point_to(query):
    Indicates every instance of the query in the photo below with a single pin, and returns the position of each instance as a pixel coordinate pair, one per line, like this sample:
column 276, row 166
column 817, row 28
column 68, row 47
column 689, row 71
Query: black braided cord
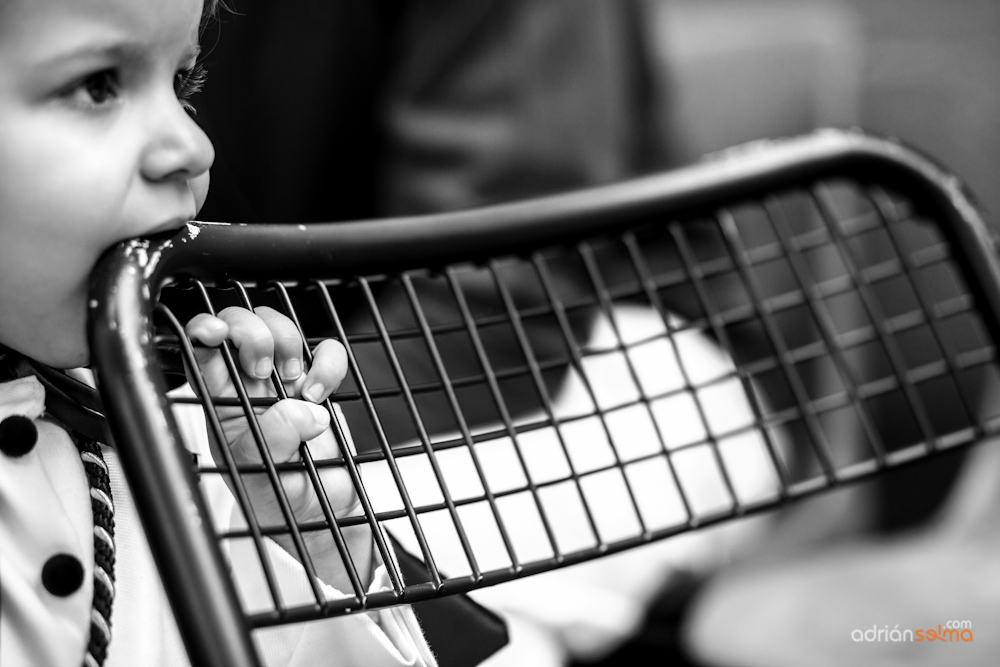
column 104, row 550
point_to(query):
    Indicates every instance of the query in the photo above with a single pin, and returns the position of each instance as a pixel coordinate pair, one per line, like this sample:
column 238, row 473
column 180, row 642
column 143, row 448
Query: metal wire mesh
column 522, row 411
column 536, row 411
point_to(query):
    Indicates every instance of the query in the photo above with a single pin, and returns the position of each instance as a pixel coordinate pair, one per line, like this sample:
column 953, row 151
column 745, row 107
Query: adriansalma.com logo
column 952, row 631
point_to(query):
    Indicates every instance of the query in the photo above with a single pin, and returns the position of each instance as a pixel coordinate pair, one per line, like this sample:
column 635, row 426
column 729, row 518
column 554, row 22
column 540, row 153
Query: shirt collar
column 24, row 396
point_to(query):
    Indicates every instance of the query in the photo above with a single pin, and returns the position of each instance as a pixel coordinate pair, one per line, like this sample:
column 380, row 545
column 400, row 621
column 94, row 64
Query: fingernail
column 321, row 416
column 263, row 369
column 315, row 393
column 292, row 369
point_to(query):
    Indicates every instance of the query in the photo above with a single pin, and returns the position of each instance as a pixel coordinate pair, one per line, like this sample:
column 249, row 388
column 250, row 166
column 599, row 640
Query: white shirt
column 45, row 510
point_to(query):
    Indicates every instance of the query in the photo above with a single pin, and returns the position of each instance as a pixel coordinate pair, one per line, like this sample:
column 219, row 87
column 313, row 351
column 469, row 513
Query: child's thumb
column 284, row 426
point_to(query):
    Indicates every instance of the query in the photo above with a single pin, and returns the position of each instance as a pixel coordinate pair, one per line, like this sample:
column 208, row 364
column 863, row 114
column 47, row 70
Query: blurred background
column 925, row 71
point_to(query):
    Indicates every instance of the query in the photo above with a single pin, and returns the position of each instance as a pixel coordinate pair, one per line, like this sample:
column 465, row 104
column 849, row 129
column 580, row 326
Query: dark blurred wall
column 351, row 109
column 290, row 108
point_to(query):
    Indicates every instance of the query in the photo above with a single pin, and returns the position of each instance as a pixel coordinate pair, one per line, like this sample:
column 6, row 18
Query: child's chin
column 62, row 356
column 69, row 348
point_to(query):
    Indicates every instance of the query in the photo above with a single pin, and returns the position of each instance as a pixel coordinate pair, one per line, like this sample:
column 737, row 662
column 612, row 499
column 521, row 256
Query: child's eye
column 189, row 81
column 97, row 89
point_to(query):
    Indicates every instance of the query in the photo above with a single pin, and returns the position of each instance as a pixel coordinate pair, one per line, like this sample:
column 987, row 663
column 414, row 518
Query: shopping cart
column 542, row 383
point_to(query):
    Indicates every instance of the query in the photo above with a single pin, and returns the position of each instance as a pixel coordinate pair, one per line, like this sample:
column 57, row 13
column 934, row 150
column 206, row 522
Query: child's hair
column 209, row 11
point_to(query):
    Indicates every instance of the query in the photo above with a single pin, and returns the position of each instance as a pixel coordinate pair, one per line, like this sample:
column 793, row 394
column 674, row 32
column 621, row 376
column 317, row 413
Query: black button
column 62, row 575
column 18, row 436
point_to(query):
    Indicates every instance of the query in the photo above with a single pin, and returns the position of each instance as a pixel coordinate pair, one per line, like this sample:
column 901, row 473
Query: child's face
column 96, row 146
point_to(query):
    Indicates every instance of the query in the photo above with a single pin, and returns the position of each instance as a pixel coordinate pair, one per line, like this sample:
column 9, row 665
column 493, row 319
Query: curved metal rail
column 366, row 260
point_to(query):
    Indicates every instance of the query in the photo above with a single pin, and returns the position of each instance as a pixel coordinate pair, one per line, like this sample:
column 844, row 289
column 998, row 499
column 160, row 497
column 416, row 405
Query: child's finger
column 252, row 337
column 288, row 344
column 211, row 332
column 284, row 426
column 329, row 366
column 208, row 330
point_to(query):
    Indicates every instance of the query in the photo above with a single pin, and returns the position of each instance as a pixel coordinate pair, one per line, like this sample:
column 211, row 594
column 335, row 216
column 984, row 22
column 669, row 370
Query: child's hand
column 267, row 340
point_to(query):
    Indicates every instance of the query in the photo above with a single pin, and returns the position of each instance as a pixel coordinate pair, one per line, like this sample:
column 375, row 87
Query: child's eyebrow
column 118, row 52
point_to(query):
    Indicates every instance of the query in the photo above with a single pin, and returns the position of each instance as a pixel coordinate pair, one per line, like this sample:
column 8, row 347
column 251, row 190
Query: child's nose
column 178, row 149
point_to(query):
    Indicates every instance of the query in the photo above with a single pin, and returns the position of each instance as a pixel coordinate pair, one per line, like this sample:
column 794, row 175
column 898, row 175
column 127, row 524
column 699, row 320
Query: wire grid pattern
column 519, row 415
